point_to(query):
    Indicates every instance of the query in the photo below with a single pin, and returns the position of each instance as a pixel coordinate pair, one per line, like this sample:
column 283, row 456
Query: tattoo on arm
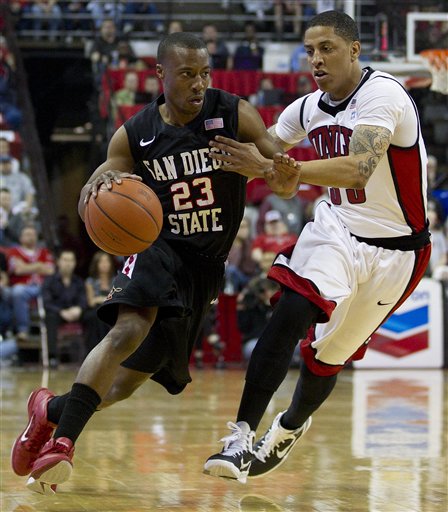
column 371, row 142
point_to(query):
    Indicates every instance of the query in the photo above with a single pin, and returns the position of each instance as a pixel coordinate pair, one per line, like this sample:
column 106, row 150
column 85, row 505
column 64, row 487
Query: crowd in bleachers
column 124, row 84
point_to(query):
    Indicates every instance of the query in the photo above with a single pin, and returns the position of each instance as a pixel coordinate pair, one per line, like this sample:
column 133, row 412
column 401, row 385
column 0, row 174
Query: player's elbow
column 360, row 172
column 358, row 182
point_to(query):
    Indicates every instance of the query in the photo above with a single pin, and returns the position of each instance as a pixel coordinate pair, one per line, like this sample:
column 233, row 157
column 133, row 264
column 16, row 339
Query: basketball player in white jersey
column 360, row 258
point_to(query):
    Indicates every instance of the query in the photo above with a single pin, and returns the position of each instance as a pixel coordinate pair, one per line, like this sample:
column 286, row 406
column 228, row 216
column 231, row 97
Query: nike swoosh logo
column 245, row 465
column 380, row 303
column 147, row 142
column 282, row 453
column 24, row 437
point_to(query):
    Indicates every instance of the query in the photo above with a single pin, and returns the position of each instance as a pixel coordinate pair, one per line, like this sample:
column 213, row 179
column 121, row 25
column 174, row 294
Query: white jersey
column 393, row 203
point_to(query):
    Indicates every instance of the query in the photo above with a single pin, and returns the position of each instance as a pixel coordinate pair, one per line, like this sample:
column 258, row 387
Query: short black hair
column 181, row 40
column 344, row 26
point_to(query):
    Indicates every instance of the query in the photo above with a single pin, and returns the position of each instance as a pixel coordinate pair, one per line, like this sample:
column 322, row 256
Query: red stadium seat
column 15, row 142
column 125, row 112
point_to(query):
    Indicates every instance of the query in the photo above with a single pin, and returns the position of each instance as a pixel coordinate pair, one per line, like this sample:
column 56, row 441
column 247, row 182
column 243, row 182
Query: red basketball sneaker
column 38, row 431
column 53, row 466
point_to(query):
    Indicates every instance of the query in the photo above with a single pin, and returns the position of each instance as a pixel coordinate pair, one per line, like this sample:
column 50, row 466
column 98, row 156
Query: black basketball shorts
column 182, row 286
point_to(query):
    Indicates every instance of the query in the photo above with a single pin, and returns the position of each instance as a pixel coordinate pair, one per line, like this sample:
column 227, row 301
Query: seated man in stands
column 28, row 265
column 219, row 53
column 10, row 113
column 64, row 298
column 11, row 224
column 18, row 183
column 267, row 95
column 249, row 54
column 151, row 90
column 104, row 50
column 304, row 85
column 5, row 150
column 274, row 238
column 127, row 94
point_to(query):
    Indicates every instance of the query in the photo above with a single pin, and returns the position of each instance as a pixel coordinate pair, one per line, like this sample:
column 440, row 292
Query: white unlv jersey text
column 393, row 204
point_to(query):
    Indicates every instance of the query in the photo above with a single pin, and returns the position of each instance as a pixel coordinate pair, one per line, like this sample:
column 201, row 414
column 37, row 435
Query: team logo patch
column 114, row 290
column 403, row 333
column 214, row 124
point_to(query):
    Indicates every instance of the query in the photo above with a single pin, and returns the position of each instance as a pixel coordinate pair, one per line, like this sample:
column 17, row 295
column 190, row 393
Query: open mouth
column 197, row 100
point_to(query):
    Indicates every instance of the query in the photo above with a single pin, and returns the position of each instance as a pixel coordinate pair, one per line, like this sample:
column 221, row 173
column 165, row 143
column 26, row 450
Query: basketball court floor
column 379, row 444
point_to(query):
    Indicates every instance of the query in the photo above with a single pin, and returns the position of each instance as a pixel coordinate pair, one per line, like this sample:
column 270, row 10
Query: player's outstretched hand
column 284, row 176
column 241, row 157
column 106, row 178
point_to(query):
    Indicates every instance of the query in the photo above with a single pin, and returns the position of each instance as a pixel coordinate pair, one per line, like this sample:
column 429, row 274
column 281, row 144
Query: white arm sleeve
column 385, row 103
column 289, row 127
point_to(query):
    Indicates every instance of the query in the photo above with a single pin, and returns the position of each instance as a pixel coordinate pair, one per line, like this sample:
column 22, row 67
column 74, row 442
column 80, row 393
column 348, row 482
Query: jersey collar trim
column 333, row 110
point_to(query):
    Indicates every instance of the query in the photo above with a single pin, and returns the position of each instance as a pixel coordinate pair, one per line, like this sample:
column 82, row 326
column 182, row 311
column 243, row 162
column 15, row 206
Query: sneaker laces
column 238, row 441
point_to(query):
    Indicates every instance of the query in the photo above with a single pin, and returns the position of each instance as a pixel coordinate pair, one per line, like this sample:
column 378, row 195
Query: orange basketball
column 124, row 220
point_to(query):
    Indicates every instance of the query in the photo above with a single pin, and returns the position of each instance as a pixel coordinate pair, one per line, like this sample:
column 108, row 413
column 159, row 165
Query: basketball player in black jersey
column 158, row 301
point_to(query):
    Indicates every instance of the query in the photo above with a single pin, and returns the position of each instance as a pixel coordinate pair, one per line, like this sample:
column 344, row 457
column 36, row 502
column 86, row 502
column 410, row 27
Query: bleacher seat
column 125, row 112
column 15, row 142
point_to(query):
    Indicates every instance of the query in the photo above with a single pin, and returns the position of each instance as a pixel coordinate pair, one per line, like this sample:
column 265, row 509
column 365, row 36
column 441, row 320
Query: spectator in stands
column 291, row 210
column 249, row 53
column 259, row 8
column 291, row 8
column 105, row 49
column 11, row 224
column 435, row 176
column 46, row 12
column 175, row 26
column 10, row 112
column 18, row 183
column 28, row 265
column 267, row 94
column 253, row 311
column 5, row 298
column 127, row 94
column 73, row 12
column 439, row 252
column 298, row 60
column 6, row 57
column 151, row 90
column 102, row 11
column 127, row 57
column 304, row 86
column 98, row 285
column 240, row 267
column 138, row 11
column 274, row 238
column 5, row 150
column 64, row 298
column 217, row 48
column 18, row 10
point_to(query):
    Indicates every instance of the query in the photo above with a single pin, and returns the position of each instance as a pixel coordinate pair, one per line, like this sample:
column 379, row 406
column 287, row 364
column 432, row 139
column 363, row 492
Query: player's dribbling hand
column 284, row 176
column 106, row 178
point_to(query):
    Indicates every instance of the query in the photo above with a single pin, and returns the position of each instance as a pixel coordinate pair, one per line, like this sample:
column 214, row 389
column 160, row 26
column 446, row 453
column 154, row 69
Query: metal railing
column 65, row 26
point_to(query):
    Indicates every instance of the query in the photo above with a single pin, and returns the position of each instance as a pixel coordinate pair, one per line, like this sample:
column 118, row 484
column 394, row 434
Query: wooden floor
column 379, row 444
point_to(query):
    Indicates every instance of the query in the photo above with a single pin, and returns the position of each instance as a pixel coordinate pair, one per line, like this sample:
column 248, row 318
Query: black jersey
column 202, row 205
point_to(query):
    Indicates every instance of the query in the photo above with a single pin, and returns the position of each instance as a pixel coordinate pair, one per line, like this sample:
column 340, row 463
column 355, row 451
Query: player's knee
column 295, row 309
column 121, row 389
column 128, row 333
column 117, row 393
